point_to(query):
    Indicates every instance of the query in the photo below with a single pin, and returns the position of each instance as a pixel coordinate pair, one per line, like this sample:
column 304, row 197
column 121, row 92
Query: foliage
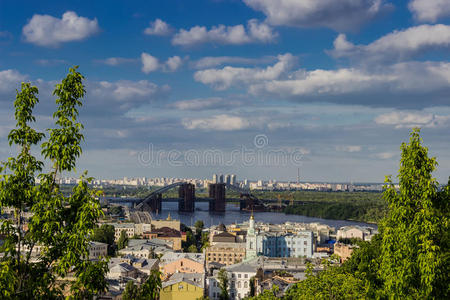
column 223, row 284
column 266, row 294
column 415, row 233
column 105, row 234
column 199, row 225
column 60, row 225
column 204, row 241
column 149, row 290
column 192, row 249
column 131, row 291
column 116, row 210
column 252, row 286
column 331, row 283
column 122, row 242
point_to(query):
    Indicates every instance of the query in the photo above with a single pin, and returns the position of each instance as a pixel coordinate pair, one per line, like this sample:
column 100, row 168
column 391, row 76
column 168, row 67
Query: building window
column 246, row 276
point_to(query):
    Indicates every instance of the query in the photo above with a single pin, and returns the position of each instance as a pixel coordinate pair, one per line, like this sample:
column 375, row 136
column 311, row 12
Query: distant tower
column 221, row 178
column 227, row 179
column 250, row 247
column 214, row 178
column 298, row 175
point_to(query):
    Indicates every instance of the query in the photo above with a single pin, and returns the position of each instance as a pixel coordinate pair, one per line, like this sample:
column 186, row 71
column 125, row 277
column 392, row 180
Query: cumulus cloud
column 221, row 79
column 402, row 84
column 152, row 64
column 51, row 62
column 10, row 80
column 408, row 119
column 214, row 61
column 221, row 122
column 205, row 103
column 398, row 45
column 149, row 63
column 337, row 15
column 173, row 63
column 255, row 32
column 158, row 27
column 115, row 61
column 48, row 31
column 124, row 89
column 348, row 148
column 429, row 10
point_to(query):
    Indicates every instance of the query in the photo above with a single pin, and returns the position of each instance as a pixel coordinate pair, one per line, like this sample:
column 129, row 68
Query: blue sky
column 330, row 87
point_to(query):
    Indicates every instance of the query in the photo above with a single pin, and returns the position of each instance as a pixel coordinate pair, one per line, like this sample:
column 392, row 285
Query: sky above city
column 262, row 89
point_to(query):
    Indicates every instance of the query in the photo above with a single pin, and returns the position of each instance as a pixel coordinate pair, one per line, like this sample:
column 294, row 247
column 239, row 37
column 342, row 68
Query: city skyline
column 331, row 90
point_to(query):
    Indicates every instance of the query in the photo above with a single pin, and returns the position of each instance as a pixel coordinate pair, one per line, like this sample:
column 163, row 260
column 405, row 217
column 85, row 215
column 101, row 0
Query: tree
column 105, row 234
column 199, row 225
column 149, row 290
column 192, row 249
column 415, row 233
column 123, row 240
column 223, row 284
column 332, row 283
column 60, row 225
column 131, row 291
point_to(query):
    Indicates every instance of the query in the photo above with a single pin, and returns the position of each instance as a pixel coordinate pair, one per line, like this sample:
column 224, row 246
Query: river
column 234, row 215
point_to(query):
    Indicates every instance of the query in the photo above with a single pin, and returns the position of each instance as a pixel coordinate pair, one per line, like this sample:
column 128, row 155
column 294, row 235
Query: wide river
column 234, row 215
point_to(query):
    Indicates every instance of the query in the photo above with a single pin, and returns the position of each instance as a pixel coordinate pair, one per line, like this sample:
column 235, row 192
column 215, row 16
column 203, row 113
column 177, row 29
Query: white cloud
column 219, row 122
column 151, row 63
column 173, row 63
column 115, row 61
column 51, row 62
column 402, row 84
column 125, row 91
column 398, row 45
column 158, row 27
column 235, row 35
column 205, row 103
column 221, row 79
column 48, row 31
column 337, row 15
column 214, row 61
column 10, row 80
column 429, row 10
column 348, row 148
column 405, row 119
column 385, row 155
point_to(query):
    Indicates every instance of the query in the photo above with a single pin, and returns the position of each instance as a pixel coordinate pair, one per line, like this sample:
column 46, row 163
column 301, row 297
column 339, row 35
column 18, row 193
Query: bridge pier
column 186, row 193
column 217, row 193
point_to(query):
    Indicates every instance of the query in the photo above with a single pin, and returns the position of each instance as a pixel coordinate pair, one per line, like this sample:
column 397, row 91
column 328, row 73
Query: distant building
column 299, row 244
column 182, row 286
column 97, row 250
column 233, row 179
column 214, row 180
column 362, row 233
column 227, row 179
column 344, row 251
column 221, row 178
column 165, row 233
column 225, row 253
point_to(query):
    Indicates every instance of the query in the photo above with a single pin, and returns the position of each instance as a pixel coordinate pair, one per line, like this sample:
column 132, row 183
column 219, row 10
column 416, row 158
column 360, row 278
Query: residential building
column 344, row 251
column 172, row 263
column 298, row 244
column 225, row 253
column 97, row 250
column 362, row 233
column 182, row 286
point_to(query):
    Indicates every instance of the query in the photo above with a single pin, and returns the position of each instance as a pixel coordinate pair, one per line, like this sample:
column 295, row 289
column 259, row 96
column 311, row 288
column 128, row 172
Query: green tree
column 131, row 291
column 199, row 225
column 123, row 240
column 192, row 249
column 223, row 284
column 415, row 233
column 332, row 283
column 60, row 225
column 149, row 290
column 267, row 294
column 105, row 234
